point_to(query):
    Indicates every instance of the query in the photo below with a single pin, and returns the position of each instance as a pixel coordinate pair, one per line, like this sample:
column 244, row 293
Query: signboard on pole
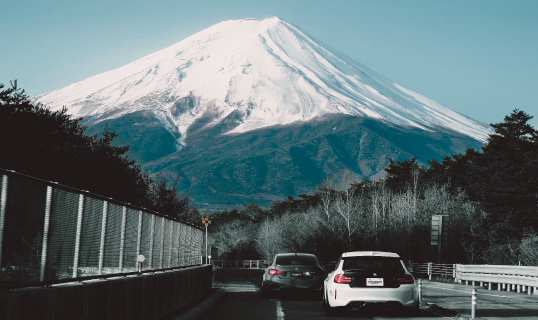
column 439, row 230
column 439, row 234
column 215, row 253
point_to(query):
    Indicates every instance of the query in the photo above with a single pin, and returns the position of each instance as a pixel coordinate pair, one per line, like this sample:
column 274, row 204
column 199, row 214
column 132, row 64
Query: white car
column 370, row 278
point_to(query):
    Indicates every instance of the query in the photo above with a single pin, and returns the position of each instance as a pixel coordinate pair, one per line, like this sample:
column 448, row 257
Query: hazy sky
column 479, row 58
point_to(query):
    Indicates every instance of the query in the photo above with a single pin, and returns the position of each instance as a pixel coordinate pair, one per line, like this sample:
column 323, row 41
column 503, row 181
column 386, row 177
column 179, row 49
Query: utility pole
column 206, row 222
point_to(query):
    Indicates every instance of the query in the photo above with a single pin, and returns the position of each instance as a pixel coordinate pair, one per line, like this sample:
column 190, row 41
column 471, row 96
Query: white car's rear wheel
column 327, row 307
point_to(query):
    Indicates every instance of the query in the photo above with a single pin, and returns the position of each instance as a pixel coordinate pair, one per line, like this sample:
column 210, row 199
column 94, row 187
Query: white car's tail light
column 341, row 278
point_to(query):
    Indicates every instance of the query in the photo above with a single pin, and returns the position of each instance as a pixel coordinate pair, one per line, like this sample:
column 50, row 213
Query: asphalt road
column 491, row 304
column 243, row 300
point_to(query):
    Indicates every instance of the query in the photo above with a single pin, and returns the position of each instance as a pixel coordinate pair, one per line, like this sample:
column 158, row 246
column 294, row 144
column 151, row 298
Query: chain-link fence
column 51, row 232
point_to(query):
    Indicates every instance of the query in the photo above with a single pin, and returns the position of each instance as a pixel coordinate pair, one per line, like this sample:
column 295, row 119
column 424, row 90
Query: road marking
column 481, row 293
column 236, row 287
column 279, row 311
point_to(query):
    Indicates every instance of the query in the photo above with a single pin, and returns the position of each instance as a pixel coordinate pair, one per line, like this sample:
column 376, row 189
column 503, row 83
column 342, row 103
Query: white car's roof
column 370, row 254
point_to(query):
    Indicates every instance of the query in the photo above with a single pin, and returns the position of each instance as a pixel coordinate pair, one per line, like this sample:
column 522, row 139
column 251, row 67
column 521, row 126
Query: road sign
column 439, row 230
column 439, row 234
column 215, row 253
column 206, row 221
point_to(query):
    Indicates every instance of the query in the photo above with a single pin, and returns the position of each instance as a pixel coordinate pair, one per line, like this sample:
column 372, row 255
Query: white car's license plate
column 374, row 282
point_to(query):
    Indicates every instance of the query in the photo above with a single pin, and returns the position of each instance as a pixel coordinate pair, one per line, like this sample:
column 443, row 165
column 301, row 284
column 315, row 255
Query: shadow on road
column 297, row 295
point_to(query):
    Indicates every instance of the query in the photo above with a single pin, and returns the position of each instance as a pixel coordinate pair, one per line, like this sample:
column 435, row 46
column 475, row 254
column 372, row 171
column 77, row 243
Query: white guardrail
column 511, row 278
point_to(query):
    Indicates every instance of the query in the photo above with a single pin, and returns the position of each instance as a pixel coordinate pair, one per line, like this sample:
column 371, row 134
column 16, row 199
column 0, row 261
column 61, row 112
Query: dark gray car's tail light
column 341, row 278
column 406, row 279
column 275, row 271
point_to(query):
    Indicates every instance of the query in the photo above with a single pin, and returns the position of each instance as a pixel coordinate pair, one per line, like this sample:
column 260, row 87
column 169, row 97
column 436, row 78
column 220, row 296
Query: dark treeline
column 53, row 146
column 490, row 198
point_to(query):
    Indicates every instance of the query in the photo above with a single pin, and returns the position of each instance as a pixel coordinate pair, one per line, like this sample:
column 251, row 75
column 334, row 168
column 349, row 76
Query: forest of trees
column 53, row 146
column 490, row 198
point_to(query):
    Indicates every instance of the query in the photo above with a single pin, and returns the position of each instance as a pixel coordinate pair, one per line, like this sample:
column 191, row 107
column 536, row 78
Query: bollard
column 473, row 304
column 419, row 290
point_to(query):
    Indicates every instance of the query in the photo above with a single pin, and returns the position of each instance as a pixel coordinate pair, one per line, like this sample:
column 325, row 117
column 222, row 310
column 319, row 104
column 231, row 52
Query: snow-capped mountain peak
column 255, row 73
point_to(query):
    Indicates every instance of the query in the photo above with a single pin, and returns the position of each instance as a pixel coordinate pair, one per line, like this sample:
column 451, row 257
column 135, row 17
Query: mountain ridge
column 321, row 83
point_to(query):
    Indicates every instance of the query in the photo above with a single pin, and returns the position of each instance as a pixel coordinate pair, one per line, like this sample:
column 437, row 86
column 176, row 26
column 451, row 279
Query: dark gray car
column 293, row 271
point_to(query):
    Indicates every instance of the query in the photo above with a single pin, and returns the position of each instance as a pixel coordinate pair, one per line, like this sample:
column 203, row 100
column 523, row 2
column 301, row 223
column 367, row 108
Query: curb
column 202, row 307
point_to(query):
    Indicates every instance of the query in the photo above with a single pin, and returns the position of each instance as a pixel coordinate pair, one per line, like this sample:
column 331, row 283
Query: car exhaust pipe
column 356, row 305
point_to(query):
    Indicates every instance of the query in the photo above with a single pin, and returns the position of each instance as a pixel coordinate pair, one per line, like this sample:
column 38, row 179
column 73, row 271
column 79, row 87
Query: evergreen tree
column 52, row 146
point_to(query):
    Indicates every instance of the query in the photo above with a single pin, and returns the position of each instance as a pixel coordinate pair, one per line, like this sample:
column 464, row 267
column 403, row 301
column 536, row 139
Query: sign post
column 439, row 233
column 206, row 222
column 214, row 253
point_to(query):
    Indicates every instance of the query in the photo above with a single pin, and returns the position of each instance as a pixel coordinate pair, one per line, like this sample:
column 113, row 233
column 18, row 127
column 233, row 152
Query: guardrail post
column 473, row 304
column 3, row 200
column 430, row 271
column 79, row 231
column 45, row 234
column 489, row 285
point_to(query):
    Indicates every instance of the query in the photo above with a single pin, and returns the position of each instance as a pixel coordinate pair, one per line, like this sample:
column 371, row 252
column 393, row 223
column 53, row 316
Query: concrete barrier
column 145, row 297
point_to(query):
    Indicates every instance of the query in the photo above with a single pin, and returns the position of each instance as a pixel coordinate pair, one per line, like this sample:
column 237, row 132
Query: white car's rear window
column 369, row 263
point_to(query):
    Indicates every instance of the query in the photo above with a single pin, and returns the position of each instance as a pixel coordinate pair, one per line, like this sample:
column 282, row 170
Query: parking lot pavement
column 491, row 304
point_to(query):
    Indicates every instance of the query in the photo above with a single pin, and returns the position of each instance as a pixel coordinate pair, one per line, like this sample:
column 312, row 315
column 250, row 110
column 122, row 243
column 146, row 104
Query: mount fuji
column 255, row 110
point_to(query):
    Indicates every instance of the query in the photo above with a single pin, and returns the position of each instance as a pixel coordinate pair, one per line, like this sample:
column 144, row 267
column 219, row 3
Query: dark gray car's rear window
column 297, row 260
column 361, row 263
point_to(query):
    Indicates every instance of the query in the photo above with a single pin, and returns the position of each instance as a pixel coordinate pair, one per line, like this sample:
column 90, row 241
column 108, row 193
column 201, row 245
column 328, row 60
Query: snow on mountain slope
column 263, row 72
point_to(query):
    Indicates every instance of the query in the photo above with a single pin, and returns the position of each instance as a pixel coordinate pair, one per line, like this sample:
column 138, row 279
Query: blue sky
column 479, row 58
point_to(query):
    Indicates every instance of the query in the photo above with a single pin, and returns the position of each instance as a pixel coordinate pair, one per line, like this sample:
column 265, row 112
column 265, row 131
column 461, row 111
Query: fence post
column 151, row 233
column 139, row 236
column 170, row 243
column 103, row 233
column 45, row 234
column 122, row 237
column 430, row 271
column 79, row 230
column 3, row 200
column 163, row 231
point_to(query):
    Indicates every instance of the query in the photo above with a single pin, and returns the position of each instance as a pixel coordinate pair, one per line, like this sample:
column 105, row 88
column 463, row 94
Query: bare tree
column 347, row 204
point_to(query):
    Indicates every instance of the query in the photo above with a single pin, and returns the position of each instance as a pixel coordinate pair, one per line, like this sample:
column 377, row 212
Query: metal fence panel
column 131, row 237
column 90, row 242
column 50, row 232
column 158, row 242
column 23, row 231
column 112, row 239
column 145, row 239
column 62, row 235
column 175, row 244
